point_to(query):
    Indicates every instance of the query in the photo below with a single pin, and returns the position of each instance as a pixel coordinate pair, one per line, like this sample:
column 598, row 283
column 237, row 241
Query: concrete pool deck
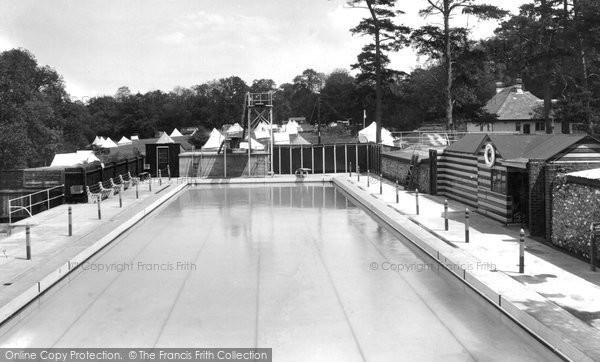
column 553, row 289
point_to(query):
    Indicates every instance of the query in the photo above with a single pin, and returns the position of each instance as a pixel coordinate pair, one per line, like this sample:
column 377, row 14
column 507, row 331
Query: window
column 540, row 126
column 498, row 181
column 518, row 127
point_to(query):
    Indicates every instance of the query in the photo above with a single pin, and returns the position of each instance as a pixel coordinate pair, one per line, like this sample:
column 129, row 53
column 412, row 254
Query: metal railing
column 27, row 202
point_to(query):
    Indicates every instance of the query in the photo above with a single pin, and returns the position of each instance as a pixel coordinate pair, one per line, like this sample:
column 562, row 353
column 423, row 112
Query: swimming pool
column 297, row 268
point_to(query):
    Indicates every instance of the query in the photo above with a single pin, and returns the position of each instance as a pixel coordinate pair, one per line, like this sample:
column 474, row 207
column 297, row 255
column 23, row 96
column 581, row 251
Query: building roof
column 518, row 146
column 513, row 103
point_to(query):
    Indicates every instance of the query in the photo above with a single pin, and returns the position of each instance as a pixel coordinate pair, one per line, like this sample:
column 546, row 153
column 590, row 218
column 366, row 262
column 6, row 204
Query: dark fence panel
column 285, row 160
column 327, row 158
column 340, row 158
column 296, row 158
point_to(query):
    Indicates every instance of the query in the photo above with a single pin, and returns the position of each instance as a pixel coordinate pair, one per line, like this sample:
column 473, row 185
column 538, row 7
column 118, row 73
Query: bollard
column 417, row 199
column 70, row 221
column 28, row 242
column 522, row 252
column 368, row 177
column 350, row 169
column 467, row 225
column 397, row 196
column 150, row 183
column 593, row 253
column 120, row 198
column 357, row 172
column 159, row 178
column 137, row 191
column 446, row 214
column 99, row 212
column 380, row 184
column 169, row 172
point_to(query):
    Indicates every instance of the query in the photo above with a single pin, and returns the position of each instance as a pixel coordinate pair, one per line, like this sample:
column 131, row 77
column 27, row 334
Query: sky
column 99, row 46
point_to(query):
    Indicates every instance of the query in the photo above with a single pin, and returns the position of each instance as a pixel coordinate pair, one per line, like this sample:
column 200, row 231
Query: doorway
column 518, row 190
column 162, row 159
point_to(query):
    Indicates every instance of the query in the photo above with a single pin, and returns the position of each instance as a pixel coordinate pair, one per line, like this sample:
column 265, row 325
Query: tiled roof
column 513, row 104
column 514, row 146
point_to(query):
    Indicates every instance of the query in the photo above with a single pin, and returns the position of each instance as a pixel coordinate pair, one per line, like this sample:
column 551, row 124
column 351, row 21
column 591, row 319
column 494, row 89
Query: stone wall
column 574, row 208
column 396, row 168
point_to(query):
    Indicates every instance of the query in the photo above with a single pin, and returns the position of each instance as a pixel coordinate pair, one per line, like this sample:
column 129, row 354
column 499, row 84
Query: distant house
column 518, row 111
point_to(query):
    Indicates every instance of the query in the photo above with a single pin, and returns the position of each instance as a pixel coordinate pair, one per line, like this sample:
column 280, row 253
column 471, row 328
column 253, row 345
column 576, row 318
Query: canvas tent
column 97, row 142
column 281, row 138
column 108, row 143
column 292, row 127
column 235, row 130
column 164, row 138
column 215, row 140
column 73, row 159
column 368, row 134
column 254, row 143
column 124, row 141
column 176, row 133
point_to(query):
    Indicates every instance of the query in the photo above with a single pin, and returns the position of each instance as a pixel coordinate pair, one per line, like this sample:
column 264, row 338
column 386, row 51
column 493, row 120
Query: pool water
column 299, row 269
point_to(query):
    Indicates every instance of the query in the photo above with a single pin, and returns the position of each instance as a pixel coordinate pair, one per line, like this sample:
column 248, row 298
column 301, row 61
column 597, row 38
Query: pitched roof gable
column 511, row 104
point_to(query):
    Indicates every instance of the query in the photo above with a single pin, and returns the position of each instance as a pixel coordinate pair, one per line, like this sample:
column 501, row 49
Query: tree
column 387, row 36
column 450, row 36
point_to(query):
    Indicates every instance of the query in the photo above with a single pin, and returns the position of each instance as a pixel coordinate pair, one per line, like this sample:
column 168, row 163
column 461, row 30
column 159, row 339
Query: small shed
column 163, row 155
column 506, row 176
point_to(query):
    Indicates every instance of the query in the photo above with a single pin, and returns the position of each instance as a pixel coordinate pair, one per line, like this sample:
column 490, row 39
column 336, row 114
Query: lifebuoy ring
column 490, row 155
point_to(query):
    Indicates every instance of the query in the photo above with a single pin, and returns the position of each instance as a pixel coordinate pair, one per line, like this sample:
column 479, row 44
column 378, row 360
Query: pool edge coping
column 21, row 301
column 554, row 340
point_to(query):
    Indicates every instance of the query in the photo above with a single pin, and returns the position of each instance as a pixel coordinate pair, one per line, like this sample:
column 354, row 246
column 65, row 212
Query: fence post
column 150, row 183
column 522, row 251
column 120, row 198
column 467, row 225
column 159, row 178
column 30, row 207
column 70, row 221
column 169, row 172
column 397, row 196
column 446, row 214
column 357, row 172
column 137, row 191
column 48, row 197
column 28, row 241
column 368, row 178
column 417, row 200
column 350, row 169
column 380, row 184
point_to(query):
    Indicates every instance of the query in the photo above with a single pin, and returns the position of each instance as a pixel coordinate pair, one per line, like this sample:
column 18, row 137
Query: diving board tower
column 260, row 108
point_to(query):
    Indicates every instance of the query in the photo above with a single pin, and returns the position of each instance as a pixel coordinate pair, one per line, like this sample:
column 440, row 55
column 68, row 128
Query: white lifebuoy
column 489, row 155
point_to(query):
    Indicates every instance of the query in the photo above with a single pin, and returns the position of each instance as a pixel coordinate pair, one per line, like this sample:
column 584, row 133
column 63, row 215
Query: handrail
column 29, row 208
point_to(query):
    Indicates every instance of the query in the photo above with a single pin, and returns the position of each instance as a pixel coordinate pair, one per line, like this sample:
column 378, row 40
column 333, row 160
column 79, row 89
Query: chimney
column 519, row 85
column 499, row 87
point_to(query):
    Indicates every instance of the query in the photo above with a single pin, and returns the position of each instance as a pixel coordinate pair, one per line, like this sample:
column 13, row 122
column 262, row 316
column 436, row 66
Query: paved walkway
column 52, row 247
column 557, row 276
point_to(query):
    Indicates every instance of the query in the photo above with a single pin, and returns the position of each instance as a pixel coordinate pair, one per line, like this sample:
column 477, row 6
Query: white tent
column 164, row 138
column 176, row 133
column 254, row 143
column 261, row 134
column 87, row 156
column 214, row 140
column 368, row 134
column 235, row 129
column 281, row 138
column 292, row 127
column 108, row 143
column 73, row 159
column 134, row 138
column 124, row 141
column 97, row 141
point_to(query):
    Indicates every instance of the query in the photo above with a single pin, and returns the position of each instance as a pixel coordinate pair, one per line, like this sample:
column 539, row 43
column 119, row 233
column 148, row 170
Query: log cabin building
column 509, row 177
